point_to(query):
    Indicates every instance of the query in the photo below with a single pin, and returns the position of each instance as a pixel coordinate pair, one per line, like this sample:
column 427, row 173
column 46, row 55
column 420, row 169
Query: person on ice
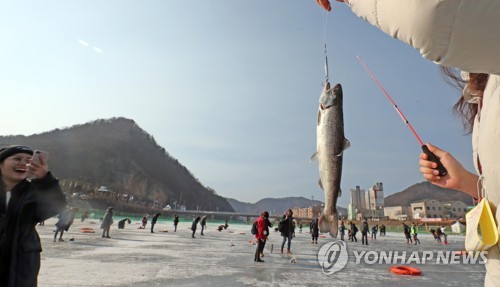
column 261, row 236
column 194, row 226
column 64, row 222
column 29, row 194
column 106, row 223
column 286, row 227
column 176, row 222
column 365, row 229
column 414, row 233
column 203, row 224
column 121, row 223
column 315, row 231
column 153, row 221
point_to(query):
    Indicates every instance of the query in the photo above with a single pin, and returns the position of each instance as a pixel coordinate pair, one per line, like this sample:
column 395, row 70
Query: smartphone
column 38, row 154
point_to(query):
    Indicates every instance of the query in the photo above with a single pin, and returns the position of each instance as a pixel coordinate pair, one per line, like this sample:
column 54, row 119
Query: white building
column 455, row 209
column 357, row 203
column 429, row 208
column 375, row 197
column 398, row 212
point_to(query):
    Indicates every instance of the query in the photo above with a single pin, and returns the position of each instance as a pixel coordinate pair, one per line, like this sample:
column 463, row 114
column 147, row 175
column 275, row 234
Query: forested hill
column 118, row 154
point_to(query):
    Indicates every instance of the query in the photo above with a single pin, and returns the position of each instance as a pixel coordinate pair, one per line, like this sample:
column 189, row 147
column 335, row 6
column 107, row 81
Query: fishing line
column 431, row 156
column 325, row 27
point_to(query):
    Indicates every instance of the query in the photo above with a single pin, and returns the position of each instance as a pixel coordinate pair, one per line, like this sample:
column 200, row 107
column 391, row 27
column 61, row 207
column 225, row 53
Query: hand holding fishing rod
column 431, row 156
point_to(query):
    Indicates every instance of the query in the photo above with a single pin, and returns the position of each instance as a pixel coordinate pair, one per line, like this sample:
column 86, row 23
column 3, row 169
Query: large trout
column 331, row 144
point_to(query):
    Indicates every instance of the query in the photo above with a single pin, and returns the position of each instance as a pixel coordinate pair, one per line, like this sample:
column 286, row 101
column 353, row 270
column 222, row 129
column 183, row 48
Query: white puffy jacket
column 455, row 33
column 463, row 34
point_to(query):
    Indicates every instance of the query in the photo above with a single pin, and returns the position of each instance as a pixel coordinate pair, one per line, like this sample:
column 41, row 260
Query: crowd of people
column 286, row 227
column 44, row 190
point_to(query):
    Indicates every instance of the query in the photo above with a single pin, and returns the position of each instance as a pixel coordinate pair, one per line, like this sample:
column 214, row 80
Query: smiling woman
column 24, row 203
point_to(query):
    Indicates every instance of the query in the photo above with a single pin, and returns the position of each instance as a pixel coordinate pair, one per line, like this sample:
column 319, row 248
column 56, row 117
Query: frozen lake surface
column 136, row 257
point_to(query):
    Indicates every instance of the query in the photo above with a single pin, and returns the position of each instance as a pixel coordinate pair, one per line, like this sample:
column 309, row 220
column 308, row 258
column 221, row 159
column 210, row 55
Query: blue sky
column 229, row 88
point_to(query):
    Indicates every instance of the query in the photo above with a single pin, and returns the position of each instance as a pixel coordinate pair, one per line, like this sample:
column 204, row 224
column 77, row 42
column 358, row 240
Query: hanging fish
column 331, row 144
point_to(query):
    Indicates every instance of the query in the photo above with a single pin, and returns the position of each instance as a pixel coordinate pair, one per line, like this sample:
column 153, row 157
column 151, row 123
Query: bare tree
column 134, row 184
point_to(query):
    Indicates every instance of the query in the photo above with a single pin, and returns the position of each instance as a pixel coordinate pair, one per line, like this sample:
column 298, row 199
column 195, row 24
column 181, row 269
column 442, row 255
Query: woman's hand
column 457, row 178
column 38, row 169
column 452, row 180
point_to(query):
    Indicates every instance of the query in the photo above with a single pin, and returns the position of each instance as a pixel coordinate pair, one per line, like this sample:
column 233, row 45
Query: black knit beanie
column 13, row 149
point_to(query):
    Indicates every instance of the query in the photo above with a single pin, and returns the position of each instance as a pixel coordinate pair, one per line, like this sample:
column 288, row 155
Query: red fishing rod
column 431, row 156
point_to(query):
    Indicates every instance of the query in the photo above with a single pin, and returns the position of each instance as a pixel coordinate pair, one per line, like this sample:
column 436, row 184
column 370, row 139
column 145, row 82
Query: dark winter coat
column 195, row 223
column 121, row 223
column 155, row 218
column 342, row 229
column 406, row 230
column 268, row 225
column 364, row 227
column 314, row 229
column 287, row 225
column 20, row 246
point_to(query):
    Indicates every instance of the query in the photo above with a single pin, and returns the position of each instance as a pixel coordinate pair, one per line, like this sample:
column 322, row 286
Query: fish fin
column 347, row 144
column 329, row 223
column 314, row 156
column 320, row 184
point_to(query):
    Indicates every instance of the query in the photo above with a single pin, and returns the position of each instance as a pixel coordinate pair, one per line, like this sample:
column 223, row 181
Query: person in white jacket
column 456, row 34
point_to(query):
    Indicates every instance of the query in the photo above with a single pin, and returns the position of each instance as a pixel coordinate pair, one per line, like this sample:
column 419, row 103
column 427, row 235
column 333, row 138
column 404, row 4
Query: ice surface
column 136, row 257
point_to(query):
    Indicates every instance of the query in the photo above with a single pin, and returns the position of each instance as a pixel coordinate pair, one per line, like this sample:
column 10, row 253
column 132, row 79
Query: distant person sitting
column 144, row 222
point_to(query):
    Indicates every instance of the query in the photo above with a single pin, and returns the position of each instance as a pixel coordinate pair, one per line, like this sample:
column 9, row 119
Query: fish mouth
column 328, row 102
column 330, row 97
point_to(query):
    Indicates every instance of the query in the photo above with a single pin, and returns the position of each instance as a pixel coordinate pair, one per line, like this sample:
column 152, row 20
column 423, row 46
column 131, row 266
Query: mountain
column 426, row 190
column 275, row 205
column 118, row 154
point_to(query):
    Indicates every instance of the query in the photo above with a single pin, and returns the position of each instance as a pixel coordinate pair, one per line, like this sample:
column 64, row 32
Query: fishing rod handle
column 432, row 157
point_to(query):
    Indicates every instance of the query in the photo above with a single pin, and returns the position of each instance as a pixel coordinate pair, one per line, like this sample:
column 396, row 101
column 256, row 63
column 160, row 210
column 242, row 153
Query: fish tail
column 329, row 224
